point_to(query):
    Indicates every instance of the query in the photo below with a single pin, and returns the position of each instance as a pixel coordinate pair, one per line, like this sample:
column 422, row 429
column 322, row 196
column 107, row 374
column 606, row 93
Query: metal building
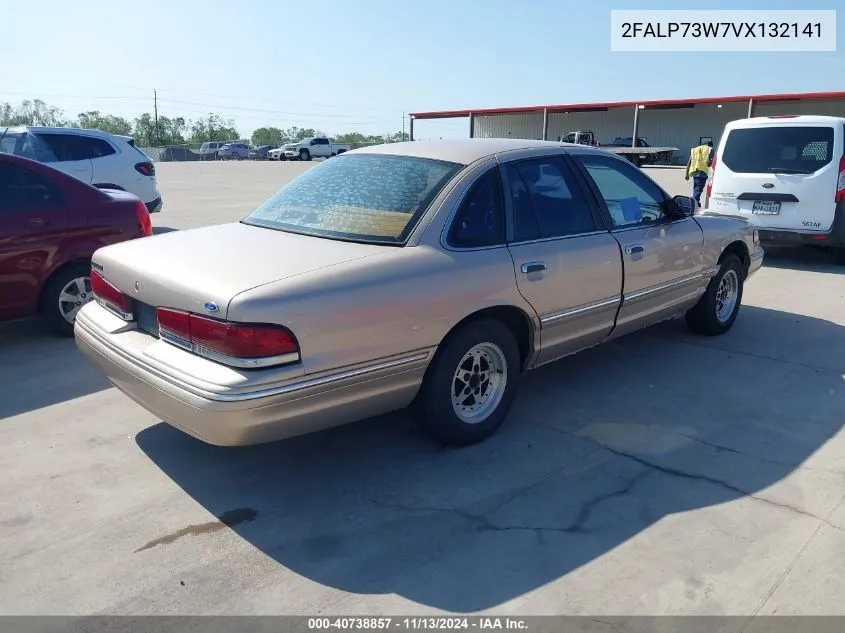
column 681, row 123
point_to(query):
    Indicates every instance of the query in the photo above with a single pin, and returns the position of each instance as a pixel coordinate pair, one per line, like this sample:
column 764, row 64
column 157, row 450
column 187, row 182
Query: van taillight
column 245, row 345
column 708, row 189
column 840, row 183
column 146, row 224
column 110, row 297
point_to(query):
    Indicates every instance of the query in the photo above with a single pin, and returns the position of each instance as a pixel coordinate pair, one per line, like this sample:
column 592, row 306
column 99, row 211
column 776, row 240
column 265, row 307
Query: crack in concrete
column 485, row 524
column 775, row 462
column 679, row 339
column 674, row 472
column 588, row 507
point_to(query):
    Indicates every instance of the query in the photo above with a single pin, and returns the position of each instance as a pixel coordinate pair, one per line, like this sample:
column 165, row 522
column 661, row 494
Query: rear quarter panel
column 92, row 226
column 401, row 301
column 721, row 231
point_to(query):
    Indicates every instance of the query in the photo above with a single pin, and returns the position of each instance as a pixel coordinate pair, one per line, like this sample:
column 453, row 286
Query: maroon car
column 50, row 225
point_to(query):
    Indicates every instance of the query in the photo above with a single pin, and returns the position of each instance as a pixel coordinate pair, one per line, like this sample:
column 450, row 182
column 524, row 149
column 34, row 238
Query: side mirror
column 684, row 206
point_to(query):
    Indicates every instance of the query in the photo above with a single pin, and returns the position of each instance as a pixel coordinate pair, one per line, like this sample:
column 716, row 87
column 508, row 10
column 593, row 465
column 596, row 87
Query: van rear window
column 778, row 149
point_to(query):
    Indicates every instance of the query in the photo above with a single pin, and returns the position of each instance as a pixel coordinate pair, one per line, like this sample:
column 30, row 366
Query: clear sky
column 358, row 65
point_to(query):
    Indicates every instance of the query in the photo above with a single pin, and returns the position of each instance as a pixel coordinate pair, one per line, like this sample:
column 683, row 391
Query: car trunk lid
column 201, row 270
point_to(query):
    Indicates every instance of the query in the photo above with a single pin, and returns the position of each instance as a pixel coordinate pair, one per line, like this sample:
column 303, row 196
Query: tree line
column 148, row 132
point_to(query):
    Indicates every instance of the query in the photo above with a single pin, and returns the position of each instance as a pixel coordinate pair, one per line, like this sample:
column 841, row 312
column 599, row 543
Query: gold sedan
column 422, row 274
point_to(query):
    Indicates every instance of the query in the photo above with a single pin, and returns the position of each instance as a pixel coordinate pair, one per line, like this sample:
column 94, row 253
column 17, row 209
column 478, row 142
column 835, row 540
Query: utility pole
column 403, row 126
column 155, row 110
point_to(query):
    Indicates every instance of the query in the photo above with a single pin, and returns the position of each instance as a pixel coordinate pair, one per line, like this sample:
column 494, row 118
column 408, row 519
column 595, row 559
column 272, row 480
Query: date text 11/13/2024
column 481, row 623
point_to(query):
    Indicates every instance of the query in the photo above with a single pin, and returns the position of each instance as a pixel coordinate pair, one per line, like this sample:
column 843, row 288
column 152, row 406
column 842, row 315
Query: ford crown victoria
column 427, row 275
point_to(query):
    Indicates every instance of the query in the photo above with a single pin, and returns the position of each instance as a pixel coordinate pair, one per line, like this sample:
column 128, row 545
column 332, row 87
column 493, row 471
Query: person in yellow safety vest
column 698, row 166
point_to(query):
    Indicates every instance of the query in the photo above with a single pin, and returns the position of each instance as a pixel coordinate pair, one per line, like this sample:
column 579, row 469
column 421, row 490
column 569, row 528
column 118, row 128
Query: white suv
column 104, row 160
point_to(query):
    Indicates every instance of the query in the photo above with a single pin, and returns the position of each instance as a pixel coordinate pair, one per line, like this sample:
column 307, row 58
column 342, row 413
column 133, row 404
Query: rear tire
column 839, row 256
column 716, row 311
column 64, row 295
column 471, row 384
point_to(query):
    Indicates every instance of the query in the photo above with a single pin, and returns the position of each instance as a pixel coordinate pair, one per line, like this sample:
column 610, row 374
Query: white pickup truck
column 308, row 148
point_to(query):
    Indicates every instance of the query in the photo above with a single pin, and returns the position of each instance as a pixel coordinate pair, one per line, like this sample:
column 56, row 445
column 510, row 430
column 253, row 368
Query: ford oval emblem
column 211, row 306
column 768, row 185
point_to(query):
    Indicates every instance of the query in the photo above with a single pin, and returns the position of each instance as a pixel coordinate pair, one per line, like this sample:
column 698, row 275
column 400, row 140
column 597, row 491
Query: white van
column 786, row 175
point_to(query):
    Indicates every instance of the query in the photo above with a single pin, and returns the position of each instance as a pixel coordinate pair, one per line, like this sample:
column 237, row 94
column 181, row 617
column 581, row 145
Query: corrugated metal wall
column 679, row 127
column 606, row 125
column 684, row 128
column 528, row 126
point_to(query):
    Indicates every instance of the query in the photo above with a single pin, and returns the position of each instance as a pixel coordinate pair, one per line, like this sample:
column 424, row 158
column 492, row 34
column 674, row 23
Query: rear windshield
column 364, row 197
column 779, row 149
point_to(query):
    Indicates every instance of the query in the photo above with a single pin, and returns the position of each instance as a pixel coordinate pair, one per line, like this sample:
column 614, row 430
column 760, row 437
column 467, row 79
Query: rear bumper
column 833, row 238
column 244, row 415
column 154, row 206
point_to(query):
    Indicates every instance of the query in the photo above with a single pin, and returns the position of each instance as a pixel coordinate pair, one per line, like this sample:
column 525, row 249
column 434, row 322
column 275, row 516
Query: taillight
column 148, row 169
column 174, row 324
column 110, row 297
column 144, row 220
column 840, row 184
column 708, row 189
column 237, row 344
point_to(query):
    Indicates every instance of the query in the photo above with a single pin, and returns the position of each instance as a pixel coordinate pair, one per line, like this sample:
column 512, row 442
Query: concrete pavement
column 663, row 473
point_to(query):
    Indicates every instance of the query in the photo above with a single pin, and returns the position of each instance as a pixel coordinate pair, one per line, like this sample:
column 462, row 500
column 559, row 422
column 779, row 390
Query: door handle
column 634, row 249
column 533, row 267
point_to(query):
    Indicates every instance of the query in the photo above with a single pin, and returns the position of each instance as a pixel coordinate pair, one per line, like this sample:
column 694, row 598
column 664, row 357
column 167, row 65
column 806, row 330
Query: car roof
column 66, row 130
column 763, row 121
column 464, row 151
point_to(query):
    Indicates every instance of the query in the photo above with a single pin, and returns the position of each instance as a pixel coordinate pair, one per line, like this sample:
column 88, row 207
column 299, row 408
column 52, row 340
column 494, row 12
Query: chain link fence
column 191, row 152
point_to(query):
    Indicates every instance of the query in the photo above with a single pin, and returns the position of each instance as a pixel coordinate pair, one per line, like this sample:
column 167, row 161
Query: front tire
column 716, row 311
column 64, row 295
column 471, row 384
column 304, row 155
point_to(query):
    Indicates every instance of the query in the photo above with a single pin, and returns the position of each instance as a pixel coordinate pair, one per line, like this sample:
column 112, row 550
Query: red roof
column 448, row 114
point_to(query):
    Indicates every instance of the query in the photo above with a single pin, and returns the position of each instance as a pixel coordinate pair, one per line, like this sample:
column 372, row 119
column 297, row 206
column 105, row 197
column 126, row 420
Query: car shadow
column 809, row 259
column 598, row 447
column 159, row 230
column 39, row 368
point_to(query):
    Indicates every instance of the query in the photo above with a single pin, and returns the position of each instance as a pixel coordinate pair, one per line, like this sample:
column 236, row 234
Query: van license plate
column 765, row 208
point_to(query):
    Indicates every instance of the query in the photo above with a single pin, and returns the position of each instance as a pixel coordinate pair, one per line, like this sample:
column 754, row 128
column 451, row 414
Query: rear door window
column 546, row 201
column 778, row 149
column 71, row 147
column 21, row 189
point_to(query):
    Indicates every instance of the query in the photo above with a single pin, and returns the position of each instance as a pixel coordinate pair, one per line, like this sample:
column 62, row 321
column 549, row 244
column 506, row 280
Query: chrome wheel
column 726, row 295
column 75, row 294
column 478, row 383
